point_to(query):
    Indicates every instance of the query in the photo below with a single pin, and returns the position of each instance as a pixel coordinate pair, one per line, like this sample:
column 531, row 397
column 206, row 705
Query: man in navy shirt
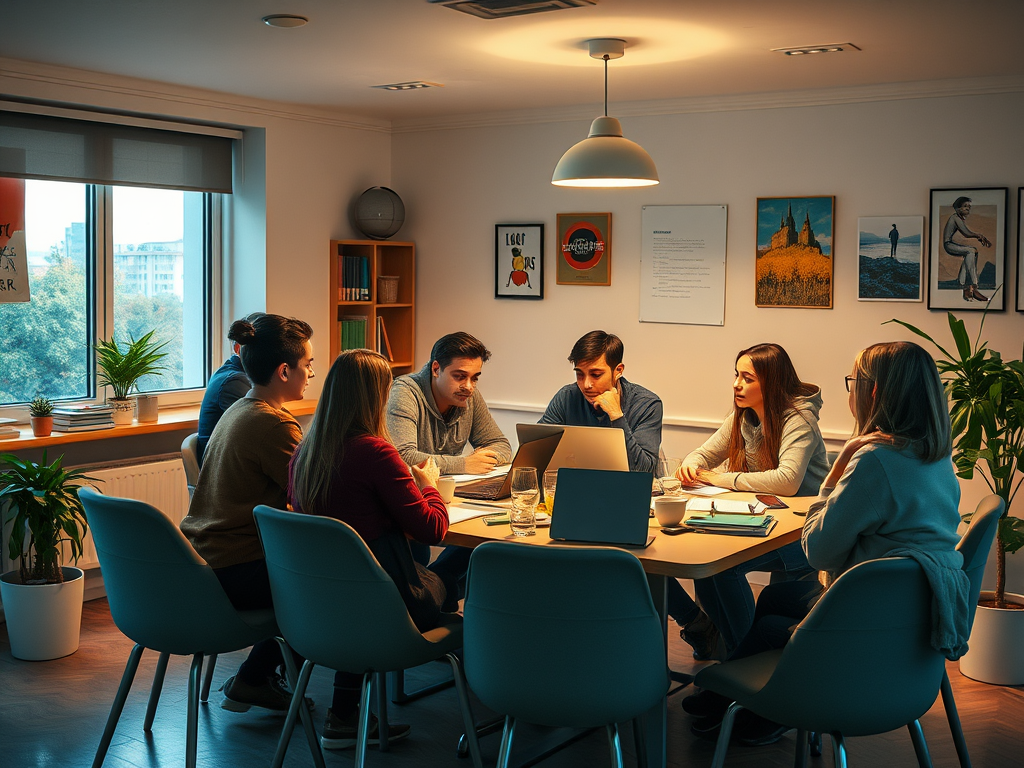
column 602, row 397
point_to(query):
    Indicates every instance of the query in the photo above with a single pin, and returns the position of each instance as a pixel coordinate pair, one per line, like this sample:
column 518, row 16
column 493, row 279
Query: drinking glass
column 525, row 495
column 667, row 468
column 550, row 480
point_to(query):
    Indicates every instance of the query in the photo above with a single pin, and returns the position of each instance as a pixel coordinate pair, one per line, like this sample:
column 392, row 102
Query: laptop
column 597, row 506
column 581, row 447
column 536, row 453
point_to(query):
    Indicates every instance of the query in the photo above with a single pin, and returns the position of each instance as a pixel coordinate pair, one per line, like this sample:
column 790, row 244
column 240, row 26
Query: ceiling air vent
column 499, row 9
column 414, row 85
column 803, row 50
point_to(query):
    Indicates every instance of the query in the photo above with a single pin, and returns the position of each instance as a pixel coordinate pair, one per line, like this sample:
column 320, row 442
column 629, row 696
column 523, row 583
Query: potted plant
column 121, row 370
column 40, row 411
column 42, row 600
column 986, row 397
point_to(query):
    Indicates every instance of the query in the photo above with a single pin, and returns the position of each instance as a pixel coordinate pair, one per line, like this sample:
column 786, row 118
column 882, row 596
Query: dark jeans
column 780, row 607
column 451, row 566
column 248, row 588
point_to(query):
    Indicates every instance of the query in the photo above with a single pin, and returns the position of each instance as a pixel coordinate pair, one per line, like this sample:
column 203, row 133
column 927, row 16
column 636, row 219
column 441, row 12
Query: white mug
column 446, row 487
column 669, row 510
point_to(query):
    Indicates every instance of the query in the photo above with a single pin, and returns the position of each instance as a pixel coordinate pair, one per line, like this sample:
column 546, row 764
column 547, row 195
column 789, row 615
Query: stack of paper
column 83, row 418
column 734, row 524
column 8, row 432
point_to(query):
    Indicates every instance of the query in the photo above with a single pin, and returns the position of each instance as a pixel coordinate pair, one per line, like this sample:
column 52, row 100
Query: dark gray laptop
column 598, row 506
column 534, row 454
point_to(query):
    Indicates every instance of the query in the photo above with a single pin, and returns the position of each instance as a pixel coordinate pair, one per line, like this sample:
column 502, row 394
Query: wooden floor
column 52, row 714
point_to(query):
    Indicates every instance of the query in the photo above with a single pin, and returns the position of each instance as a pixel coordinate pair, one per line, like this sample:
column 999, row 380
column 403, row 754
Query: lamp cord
column 605, row 85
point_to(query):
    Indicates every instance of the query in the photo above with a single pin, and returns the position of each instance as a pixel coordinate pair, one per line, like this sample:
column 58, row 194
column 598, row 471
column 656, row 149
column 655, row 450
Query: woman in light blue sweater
column 891, row 491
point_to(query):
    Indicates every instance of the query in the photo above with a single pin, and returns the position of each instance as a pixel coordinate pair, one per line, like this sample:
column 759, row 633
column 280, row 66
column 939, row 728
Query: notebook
column 599, row 506
column 732, row 524
column 535, row 454
column 581, row 447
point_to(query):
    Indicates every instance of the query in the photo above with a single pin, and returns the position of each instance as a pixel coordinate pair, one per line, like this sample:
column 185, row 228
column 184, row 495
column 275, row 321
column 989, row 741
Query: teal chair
column 165, row 597
column 338, row 608
column 563, row 637
column 860, row 664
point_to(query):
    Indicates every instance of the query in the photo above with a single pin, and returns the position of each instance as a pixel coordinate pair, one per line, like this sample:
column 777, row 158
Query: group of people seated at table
column 374, row 450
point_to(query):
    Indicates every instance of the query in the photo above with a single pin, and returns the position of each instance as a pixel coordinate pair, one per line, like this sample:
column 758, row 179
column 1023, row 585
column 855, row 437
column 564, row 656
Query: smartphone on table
column 772, row 502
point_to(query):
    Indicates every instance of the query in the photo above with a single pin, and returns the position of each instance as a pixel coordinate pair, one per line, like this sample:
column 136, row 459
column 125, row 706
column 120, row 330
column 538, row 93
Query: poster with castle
column 794, row 260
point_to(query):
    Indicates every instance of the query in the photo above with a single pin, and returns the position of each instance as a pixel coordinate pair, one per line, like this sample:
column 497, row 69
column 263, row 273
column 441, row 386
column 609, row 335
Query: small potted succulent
column 121, row 367
column 41, row 412
column 42, row 599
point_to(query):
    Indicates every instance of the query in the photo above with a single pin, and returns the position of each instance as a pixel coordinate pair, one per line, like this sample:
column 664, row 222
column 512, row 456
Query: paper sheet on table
column 459, row 511
column 502, row 470
column 704, row 490
column 733, row 506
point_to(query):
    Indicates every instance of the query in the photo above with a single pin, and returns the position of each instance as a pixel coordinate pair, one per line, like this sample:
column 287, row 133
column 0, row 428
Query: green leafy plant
column 986, row 397
column 121, row 370
column 40, row 406
column 42, row 501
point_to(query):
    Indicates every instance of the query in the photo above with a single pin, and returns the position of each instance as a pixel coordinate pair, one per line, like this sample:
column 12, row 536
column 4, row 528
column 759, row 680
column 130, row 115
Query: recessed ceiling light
column 285, row 21
column 803, row 50
column 411, row 86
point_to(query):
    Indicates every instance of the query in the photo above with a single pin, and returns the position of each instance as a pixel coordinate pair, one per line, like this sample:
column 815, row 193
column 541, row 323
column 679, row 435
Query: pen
column 712, row 507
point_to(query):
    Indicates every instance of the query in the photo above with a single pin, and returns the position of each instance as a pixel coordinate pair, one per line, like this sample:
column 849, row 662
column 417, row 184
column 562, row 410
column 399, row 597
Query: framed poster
column 584, row 249
column 794, row 252
column 519, row 261
column 1020, row 249
column 14, row 284
column 967, row 253
column 890, row 258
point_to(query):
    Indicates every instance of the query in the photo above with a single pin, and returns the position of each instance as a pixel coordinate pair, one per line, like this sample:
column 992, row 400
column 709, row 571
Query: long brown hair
column 780, row 386
column 352, row 404
column 898, row 391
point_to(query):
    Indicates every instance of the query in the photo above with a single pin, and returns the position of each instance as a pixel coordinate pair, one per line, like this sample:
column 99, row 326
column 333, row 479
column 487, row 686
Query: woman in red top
column 346, row 468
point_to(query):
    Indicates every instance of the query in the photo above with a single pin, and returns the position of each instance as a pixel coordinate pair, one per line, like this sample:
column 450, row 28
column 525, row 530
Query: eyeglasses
column 854, row 378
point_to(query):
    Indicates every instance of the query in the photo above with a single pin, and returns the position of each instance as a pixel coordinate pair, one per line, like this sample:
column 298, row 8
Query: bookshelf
column 358, row 313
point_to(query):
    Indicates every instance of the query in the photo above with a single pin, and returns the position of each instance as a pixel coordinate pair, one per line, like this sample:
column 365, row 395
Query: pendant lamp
column 605, row 158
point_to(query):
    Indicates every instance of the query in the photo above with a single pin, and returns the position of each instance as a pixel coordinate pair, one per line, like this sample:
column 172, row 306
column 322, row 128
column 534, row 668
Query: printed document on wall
column 13, row 257
column 682, row 264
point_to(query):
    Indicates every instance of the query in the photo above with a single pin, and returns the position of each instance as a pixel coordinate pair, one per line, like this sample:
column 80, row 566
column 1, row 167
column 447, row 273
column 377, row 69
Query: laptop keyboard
column 487, row 488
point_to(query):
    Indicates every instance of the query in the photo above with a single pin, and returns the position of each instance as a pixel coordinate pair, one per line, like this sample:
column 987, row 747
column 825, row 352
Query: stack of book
column 732, row 524
column 355, row 279
column 353, row 332
column 83, row 418
column 8, row 431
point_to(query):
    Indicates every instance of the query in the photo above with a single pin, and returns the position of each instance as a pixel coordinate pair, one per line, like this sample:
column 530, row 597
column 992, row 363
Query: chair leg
column 380, row 683
column 211, row 664
column 364, row 720
column 955, row 727
column 814, row 743
column 297, row 705
column 192, row 727
column 838, row 750
column 292, row 676
column 483, row 729
column 920, row 745
column 119, row 699
column 468, row 722
column 154, row 694
column 505, row 750
column 802, row 743
column 614, row 744
column 640, row 741
column 724, row 733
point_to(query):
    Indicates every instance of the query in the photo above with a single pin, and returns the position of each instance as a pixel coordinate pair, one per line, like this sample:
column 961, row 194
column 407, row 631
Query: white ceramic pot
column 148, row 409
column 44, row 621
column 124, row 411
column 996, row 647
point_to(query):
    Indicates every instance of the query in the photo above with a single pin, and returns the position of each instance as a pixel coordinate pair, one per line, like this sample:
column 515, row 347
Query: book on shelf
column 9, row 433
column 82, row 427
column 353, row 332
column 383, row 343
column 83, row 410
column 355, row 279
column 97, row 419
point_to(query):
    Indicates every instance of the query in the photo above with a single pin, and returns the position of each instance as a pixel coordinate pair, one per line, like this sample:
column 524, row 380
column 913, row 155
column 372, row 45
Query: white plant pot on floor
column 996, row 647
column 44, row 621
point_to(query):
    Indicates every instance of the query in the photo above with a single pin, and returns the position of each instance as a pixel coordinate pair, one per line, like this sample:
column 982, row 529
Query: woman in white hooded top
column 770, row 443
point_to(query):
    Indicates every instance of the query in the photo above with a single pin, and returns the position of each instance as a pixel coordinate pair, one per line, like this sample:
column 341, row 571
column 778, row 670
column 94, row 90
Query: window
column 108, row 259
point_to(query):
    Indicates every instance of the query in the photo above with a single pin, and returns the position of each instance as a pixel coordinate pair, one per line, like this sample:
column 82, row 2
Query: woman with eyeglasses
column 891, row 492
column 770, row 443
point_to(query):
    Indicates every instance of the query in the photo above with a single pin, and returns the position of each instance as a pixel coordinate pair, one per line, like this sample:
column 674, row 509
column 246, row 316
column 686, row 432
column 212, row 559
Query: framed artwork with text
column 519, row 261
column 584, row 249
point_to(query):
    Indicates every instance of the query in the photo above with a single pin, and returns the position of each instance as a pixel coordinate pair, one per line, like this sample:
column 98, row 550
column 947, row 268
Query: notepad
column 735, row 525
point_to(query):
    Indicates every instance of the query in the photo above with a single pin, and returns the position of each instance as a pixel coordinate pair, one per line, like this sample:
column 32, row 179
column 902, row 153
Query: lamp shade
column 605, row 159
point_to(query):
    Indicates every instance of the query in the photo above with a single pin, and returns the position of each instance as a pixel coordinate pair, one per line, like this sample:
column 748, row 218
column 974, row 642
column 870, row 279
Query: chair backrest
column 161, row 593
column 861, row 661
column 563, row 636
column 976, row 544
column 189, row 458
column 334, row 603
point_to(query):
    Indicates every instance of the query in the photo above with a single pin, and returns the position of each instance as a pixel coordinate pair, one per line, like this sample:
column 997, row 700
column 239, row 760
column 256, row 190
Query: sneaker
column 273, row 694
column 342, row 733
column 702, row 635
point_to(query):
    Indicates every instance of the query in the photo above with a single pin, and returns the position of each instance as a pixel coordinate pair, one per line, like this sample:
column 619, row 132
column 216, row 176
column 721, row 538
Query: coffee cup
column 669, row 510
column 446, row 487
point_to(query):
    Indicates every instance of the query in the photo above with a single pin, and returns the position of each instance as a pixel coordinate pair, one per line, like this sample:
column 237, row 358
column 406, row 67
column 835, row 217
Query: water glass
column 525, row 495
column 667, row 468
column 550, row 480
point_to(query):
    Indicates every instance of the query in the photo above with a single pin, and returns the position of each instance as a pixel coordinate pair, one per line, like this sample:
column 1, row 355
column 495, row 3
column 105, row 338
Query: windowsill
column 171, row 420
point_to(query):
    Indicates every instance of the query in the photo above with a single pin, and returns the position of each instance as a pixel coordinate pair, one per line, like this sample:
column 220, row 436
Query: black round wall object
column 379, row 213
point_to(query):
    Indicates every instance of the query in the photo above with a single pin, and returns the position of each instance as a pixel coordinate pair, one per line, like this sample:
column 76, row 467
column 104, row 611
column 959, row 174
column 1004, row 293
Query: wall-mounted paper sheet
column 13, row 257
column 682, row 264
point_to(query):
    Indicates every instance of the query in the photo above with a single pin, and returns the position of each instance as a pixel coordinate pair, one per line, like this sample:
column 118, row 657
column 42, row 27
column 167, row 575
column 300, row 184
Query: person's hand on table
column 481, row 461
column 425, row 473
column 689, row 474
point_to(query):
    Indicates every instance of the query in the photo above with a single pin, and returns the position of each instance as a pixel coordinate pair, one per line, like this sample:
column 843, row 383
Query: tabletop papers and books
column 83, row 418
column 732, row 506
column 732, row 524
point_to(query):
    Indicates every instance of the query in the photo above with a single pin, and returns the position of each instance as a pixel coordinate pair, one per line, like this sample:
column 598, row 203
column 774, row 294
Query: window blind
column 34, row 146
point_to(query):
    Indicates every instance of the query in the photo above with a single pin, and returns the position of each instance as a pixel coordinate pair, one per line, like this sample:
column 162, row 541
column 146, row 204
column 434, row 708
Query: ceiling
column 677, row 48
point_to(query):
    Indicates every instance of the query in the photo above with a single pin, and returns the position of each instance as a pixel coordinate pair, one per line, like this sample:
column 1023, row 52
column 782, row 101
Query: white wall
column 877, row 158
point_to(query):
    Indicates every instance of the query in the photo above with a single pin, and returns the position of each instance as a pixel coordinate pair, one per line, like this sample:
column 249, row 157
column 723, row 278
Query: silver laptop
column 603, row 507
column 536, row 453
column 581, row 447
